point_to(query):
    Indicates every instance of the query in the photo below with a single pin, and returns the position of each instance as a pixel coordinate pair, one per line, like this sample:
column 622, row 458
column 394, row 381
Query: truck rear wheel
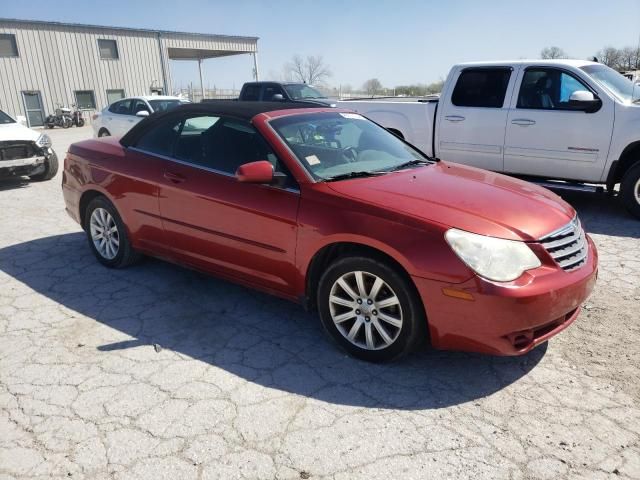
column 630, row 190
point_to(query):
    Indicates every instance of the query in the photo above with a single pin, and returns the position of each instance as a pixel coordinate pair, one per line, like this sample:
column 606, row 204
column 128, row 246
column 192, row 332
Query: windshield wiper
column 410, row 163
column 357, row 174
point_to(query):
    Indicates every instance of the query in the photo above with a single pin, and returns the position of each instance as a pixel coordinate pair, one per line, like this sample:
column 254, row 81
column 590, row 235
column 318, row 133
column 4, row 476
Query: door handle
column 523, row 122
column 454, row 118
column 131, row 120
column 174, row 177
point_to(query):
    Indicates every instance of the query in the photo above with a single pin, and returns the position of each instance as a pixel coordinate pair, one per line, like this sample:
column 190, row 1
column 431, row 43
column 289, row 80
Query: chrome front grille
column 568, row 245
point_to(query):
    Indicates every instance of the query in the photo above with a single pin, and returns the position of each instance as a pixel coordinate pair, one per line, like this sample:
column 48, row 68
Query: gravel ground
column 160, row 372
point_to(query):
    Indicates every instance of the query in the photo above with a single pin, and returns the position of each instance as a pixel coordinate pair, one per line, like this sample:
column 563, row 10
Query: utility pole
column 255, row 66
column 201, row 80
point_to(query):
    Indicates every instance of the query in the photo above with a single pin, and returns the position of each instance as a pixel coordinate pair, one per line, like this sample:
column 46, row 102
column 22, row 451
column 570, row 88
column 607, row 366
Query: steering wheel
column 350, row 154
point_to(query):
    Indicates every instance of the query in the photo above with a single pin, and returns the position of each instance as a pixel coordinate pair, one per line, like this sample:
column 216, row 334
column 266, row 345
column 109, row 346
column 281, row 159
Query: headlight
column 492, row 258
column 43, row 141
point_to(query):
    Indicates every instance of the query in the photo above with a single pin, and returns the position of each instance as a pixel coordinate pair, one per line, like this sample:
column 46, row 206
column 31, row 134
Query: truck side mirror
column 278, row 97
column 585, row 101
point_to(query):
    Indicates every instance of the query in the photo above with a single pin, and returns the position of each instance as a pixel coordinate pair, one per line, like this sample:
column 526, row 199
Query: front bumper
column 19, row 167
column 22, row 167
column 507, row 318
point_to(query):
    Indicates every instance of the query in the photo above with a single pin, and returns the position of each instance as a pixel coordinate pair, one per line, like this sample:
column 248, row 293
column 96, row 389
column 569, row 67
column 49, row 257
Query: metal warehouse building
column 43, row 64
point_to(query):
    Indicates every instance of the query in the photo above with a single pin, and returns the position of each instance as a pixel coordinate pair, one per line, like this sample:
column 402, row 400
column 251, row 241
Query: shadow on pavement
column 603, row 214
column 12, row 183
column 265, row 340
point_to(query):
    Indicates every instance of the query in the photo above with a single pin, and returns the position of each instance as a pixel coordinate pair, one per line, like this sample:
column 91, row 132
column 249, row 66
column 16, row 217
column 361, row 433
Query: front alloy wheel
column 371, row 309
column 630, row 190
column 365, row 310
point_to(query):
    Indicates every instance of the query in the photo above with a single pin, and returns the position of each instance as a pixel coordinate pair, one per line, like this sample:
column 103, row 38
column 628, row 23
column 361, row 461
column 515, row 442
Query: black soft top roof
column 231, row 108
column 242, row 109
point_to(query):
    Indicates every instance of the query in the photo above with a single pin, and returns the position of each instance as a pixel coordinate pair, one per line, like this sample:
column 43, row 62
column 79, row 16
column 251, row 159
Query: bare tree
column 552, row 52
column 609, row 56
column 629, row 58
column 310, row 70
column 372, row 86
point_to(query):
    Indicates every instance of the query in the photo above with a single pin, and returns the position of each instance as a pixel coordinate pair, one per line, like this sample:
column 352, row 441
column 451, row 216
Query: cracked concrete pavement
column 160, row 372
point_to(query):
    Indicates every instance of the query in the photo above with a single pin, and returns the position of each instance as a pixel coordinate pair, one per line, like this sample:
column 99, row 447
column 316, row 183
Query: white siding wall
column 58, row 59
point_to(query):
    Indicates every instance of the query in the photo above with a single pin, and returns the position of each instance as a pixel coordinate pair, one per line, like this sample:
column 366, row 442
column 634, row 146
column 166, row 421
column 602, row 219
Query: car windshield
column 616, row 83
column 4, row 118
column 164, row 105
column 332, row 145
column 299, row 91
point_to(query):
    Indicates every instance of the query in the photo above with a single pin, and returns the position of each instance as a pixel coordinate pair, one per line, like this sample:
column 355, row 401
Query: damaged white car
column 25, row 152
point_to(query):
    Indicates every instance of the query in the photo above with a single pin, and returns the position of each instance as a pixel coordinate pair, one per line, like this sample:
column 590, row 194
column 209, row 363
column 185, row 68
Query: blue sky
column 399, row 42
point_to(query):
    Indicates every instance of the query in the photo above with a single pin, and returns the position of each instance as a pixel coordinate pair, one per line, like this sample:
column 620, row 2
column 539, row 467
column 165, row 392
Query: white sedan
column 25, row 152
column 119, row 117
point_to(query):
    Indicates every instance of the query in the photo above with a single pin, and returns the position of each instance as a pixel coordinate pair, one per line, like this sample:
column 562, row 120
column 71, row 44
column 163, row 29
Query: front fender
column 419, row 247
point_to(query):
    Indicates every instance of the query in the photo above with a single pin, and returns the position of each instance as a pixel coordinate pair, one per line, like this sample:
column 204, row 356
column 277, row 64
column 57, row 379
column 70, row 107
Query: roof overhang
column 199, row 54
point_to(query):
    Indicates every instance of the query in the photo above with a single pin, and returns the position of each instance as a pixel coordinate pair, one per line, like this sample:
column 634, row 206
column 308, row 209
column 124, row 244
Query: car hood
column 15, row 131
column 464, row 197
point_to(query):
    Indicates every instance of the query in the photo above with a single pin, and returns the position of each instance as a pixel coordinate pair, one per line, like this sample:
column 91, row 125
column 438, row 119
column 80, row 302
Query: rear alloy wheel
column 370, row 309
column 104, row 233
column 107, row 235
column 630, row 190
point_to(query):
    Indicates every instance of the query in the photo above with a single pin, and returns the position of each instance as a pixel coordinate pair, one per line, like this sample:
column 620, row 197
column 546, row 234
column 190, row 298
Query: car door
column 118, row 119
column 473, row 117
column 547, row 137
column 214, row 222
column 138, row 105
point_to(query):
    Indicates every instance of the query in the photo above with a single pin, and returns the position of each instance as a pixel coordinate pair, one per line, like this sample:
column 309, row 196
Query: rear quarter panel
column 129, row 180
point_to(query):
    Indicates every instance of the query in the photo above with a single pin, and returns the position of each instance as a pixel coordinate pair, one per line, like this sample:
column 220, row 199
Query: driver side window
column 139, row 106
column 548, row 89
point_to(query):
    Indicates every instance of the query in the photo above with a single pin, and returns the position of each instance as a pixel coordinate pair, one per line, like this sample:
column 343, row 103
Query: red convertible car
column 324, row 207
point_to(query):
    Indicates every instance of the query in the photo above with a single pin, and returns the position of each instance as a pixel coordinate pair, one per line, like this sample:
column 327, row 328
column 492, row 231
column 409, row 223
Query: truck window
column 548, row 89
column 270, row 91
column 251, row 93
column 481, row 87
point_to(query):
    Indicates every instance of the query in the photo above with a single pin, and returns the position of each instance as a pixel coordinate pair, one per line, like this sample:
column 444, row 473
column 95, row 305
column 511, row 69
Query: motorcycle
column 76, row 117
column 62, row 118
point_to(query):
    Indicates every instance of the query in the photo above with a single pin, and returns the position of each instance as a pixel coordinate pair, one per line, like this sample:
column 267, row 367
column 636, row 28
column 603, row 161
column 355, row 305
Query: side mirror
column 142, row 113
column 278, row 97
column 255, row 172
column 22, row 120
column 584, row 101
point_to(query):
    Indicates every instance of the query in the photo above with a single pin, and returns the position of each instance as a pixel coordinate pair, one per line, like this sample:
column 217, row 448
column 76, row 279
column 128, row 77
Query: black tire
column 67, row 124
column 630, row 190
column 408, row 337
column 49, row 125
column 80, row 123
column 104, row 133
column 50, row 169
column 125, row 255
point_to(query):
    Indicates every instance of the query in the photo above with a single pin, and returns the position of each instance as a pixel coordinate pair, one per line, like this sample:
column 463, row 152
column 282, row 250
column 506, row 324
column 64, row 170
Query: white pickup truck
column 569, row 120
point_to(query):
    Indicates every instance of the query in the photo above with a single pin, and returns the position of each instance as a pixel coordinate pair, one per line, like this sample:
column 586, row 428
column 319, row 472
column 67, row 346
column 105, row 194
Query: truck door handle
column 523, row 122
column 174, row 177
column 454, row 118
